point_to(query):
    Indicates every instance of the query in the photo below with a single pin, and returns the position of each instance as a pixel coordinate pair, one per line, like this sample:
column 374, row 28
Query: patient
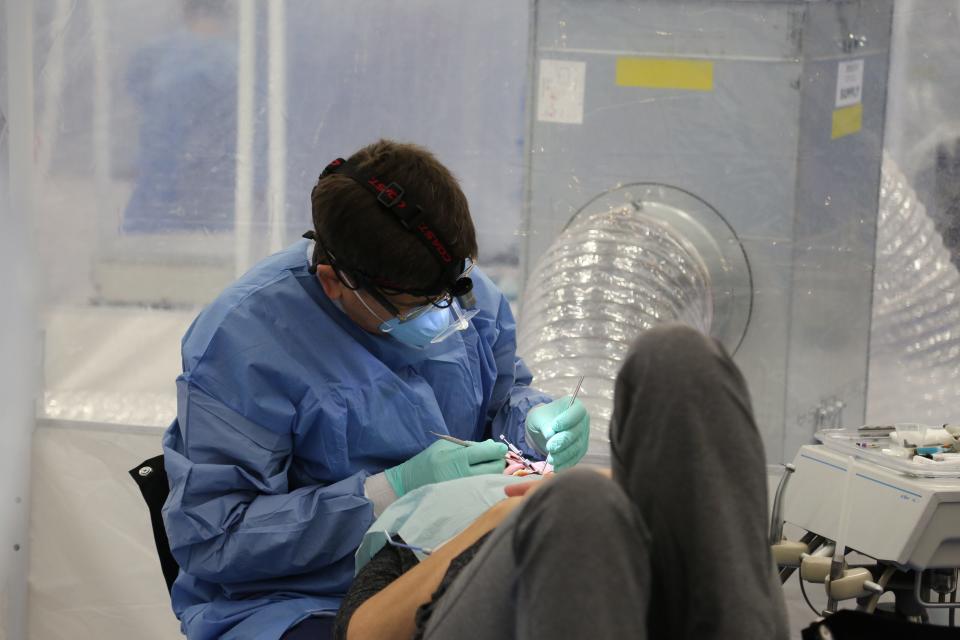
column 671, row 544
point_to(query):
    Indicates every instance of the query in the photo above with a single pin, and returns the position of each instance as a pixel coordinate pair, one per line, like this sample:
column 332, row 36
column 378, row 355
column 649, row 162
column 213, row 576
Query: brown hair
column 365, row 236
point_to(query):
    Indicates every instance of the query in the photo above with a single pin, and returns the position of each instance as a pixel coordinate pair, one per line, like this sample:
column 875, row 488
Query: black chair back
column 151, row 477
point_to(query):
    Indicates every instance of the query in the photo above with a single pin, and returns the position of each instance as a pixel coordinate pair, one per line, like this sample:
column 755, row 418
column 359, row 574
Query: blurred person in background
column 186, row 87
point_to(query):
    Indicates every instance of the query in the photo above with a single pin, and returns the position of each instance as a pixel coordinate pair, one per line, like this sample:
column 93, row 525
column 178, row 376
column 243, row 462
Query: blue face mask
column 422, row 331
column 433, row 326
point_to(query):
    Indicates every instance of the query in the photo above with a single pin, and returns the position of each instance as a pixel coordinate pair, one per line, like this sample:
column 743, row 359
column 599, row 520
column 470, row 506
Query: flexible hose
column 915, row 342
column 607, row 277
column 946, row 195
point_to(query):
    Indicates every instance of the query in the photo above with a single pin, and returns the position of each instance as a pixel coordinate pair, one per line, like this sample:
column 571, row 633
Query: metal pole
column 277, row 125
column 530, row 121
column 246, row 79
column 52, row 77
column 903, row 11
column 19, row 342
column 108, row 223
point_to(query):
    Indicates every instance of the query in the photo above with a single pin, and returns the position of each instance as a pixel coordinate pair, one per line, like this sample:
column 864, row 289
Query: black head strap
column 410, row 215
column 460, row 287
column 390, row 195
column 312, row 235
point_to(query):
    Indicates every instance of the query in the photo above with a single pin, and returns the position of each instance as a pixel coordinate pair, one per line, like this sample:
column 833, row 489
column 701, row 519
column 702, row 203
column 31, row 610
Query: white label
column 849, row 83
column 560, row 91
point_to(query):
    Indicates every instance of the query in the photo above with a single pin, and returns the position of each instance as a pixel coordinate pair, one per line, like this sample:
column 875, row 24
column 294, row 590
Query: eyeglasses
column 356, row 280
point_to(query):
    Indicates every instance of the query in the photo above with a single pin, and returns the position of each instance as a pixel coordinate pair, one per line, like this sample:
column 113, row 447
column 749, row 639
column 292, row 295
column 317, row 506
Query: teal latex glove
column 560, row 431
column 444, row 460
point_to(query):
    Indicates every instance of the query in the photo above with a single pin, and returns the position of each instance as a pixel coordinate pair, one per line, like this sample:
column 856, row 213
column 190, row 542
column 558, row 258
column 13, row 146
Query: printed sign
column 560, row 91
column 849, row 83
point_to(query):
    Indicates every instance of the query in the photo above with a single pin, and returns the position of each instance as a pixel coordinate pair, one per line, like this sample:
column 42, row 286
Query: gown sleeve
column 231, row 515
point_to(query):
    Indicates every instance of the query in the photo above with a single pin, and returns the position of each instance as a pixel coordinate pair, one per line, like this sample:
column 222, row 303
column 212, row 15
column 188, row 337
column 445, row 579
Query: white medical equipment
column 904, row 516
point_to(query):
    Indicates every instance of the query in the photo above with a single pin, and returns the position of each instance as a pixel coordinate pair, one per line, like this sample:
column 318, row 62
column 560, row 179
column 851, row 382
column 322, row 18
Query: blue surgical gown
column 284, row 408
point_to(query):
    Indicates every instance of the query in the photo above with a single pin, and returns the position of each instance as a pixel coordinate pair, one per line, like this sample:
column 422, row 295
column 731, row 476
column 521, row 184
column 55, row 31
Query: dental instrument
column 576, row 392
column 443, row 436
column 516, row 451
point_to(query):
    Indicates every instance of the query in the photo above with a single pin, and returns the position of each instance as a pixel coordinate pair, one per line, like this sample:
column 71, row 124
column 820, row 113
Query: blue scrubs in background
column 186, row 88
column 285, row 406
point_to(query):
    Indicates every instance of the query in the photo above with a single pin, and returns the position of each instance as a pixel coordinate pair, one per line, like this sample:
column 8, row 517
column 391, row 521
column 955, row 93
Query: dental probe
column 443, row 436
column 576, row 392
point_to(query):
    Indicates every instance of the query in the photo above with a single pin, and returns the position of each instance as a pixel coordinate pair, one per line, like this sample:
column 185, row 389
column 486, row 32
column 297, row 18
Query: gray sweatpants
column 674, row 547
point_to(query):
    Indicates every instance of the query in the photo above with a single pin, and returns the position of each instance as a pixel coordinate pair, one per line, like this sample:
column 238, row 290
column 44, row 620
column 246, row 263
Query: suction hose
column 915, row 341
column 628, row 261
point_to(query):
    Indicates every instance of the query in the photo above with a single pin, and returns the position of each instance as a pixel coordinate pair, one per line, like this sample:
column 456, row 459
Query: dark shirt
column 386, row 566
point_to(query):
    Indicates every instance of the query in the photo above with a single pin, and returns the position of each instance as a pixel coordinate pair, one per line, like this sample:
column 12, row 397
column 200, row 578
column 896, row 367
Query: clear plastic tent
column 151, row 151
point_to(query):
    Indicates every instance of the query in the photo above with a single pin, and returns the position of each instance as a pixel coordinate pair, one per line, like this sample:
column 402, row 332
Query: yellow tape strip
column 847, row 121
column 665, row 73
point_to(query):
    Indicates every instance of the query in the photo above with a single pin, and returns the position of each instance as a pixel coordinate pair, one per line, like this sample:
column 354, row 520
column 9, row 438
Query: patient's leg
column 686, row 450
column 571, row 563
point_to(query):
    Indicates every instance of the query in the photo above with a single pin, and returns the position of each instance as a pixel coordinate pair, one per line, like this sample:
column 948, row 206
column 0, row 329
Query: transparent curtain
column 914, row 355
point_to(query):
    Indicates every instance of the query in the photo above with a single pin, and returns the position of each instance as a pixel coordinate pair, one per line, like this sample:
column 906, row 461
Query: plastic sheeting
column 112, row 365
column 140, row 152
column 152, row 117
column 915, row 346
column 924, row 125
column 911, row 366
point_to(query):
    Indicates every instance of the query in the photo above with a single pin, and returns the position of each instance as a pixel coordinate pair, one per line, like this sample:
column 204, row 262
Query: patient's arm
column 391, row 613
